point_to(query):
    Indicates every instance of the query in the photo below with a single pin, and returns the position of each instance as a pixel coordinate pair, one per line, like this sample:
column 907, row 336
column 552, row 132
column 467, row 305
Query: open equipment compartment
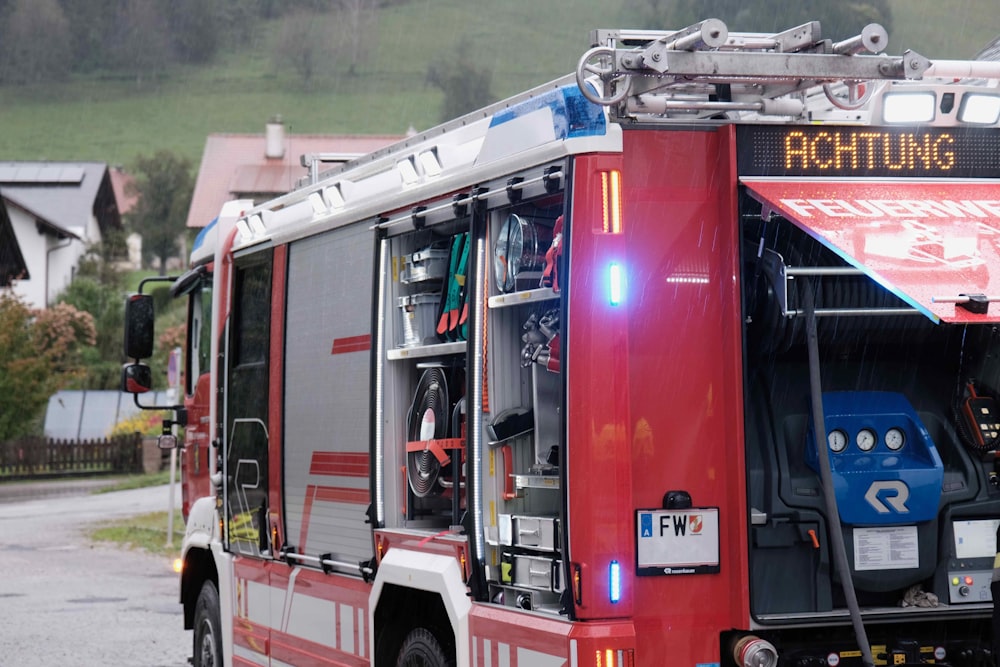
column 893, row 388
column 424, row 376
column 431, row 285
column 524, row 541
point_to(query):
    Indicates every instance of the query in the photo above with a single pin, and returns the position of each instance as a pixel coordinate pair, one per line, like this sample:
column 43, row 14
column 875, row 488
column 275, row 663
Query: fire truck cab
column 688, row 358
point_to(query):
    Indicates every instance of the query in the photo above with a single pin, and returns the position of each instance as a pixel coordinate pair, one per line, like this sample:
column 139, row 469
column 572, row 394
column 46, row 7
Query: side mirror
column 139, row 326
column 136, row 378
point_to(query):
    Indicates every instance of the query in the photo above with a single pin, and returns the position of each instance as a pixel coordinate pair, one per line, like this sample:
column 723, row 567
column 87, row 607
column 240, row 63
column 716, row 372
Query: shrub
column 146, row 422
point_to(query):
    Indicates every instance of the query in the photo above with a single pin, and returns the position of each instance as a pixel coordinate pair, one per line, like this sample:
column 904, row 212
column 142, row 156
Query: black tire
column 422, row 649
column 207, row 628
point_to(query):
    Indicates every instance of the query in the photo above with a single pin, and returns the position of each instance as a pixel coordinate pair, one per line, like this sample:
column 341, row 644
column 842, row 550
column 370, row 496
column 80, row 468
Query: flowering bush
column 41, row 352
column 146, row 422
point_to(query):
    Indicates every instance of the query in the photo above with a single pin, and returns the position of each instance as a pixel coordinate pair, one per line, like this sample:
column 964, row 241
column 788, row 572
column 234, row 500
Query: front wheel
column 207, row 628
column 422, row 649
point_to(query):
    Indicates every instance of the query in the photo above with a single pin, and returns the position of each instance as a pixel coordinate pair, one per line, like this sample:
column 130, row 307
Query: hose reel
column 427, row 422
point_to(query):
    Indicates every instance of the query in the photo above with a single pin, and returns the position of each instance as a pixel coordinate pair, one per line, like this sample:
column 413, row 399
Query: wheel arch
column 199, row 567
column 415, row 589
column 198, row 562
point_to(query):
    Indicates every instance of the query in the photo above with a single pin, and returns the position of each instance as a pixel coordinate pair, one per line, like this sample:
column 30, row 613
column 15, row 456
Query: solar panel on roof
column 72, row 175
column 27, row 174
column 48, row 174
column 41, row 174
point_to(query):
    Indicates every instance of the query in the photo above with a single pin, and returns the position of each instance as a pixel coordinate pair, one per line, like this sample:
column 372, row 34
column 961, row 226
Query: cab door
column 195, row 457
column 245, row 425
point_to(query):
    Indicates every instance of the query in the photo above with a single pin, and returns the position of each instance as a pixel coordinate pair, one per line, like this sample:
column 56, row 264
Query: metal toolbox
column 426, row 264
column 535, row 532
column 537, row 572
column 419, row 312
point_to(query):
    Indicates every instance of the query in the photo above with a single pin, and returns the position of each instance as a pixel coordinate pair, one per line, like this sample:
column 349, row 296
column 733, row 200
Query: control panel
column 969, row 586
column 970, row 572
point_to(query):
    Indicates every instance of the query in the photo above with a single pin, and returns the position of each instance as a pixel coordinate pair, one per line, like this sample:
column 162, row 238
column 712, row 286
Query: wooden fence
column 35, row 457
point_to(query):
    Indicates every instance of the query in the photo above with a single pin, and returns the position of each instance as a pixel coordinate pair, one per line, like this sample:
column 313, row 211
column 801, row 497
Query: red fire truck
column 689, row 358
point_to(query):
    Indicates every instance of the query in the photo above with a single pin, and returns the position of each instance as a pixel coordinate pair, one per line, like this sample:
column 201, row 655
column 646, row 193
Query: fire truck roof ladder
column 704, row 70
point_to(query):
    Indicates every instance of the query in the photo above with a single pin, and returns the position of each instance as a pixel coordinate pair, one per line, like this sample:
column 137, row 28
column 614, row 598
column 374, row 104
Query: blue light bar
column 615, row 581
column 572, row 115
column 199, row 240
column 616, row 281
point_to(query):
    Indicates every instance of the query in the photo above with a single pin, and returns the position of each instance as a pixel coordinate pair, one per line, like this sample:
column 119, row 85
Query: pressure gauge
column 837, row 441
column 894, row 438
column 507, row 253
column 866, row 439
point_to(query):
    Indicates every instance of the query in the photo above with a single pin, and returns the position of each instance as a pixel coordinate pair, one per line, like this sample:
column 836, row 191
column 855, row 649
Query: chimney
column 274, row 147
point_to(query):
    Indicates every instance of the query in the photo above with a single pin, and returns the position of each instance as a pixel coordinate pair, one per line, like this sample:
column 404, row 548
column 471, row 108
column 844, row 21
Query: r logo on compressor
column 893, row 492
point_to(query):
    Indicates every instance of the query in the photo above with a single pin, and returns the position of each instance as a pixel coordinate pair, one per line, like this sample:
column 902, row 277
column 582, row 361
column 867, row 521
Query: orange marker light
column 611, row 200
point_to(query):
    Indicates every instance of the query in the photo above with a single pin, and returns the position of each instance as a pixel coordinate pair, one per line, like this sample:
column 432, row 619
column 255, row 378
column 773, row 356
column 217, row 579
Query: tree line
column 48, row 40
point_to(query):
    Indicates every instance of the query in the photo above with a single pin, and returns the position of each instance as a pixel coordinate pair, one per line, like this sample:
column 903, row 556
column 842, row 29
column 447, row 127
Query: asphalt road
column 65, row 601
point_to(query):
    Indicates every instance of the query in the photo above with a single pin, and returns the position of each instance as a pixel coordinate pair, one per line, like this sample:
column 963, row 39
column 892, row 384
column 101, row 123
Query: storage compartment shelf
column 439, row 349
column 518, row 298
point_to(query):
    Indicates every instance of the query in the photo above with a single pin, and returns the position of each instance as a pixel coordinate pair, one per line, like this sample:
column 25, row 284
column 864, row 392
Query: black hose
column 837, row 534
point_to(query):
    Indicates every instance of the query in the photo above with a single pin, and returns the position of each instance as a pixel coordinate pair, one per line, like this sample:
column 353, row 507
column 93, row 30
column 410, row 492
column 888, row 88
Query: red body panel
column 281, row 627
column 195, row 463
column 250, row 635
column 496, row 631
column 276, row 389
column 685, row 377
column 599, row 427
column 196, row 457
column 343, row 591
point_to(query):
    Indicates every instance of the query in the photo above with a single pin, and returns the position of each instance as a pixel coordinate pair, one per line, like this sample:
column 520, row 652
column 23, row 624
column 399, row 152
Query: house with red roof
column 263, row 166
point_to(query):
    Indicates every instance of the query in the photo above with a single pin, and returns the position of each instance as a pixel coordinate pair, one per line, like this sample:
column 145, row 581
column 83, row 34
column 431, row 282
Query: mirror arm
column 156, row 279
column 179, row 409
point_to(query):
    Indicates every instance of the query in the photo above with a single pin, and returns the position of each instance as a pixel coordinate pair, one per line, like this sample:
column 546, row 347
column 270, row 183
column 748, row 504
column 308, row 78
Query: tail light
column 611, row 202
column 614, row 658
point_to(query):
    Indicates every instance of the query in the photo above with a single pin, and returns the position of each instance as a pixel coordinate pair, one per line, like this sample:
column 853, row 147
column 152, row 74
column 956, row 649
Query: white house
column 50, row 214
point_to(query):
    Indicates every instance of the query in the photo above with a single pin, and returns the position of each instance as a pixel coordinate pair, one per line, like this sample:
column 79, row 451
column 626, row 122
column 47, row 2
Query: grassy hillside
column 955, row 29
column 113, row 121
column 524, row 42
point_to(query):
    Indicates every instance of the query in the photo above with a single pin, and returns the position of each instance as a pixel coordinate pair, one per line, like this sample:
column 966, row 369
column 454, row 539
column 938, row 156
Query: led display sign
column 848, row 151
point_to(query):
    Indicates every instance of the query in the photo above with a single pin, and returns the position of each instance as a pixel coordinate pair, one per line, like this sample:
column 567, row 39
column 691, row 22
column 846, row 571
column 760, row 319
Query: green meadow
column 521, row 43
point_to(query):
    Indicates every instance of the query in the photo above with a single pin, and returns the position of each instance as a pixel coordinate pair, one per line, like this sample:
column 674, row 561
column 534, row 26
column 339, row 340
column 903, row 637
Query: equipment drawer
column 538, row 572
column 536, row 532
